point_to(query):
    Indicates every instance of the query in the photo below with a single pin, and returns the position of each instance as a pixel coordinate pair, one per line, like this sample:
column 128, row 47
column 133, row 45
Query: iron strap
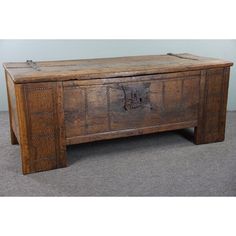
column 182, row 57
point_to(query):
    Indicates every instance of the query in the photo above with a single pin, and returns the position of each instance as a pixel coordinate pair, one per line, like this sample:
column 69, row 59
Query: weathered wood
column 130, row 132
column 13, row 120
column 54, row 104
column 41, row 125
column 212, row 118
column 120, row 106
column 109, row 67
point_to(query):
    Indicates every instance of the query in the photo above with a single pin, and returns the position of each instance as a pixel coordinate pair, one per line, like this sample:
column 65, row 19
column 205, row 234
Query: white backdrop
column 22, row 50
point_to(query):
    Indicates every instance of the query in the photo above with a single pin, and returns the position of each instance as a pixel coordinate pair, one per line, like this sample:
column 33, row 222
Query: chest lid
column 41, row 71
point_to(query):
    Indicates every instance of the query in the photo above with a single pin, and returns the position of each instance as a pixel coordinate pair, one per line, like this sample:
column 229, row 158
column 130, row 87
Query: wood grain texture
column 130, row 132
column 109, row 67
column 212, row 116
column 41, row 121
column 13, row 118
column 54, row 104
column 120, row 106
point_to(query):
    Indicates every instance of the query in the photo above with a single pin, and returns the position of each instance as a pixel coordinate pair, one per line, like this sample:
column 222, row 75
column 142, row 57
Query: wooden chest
column 57, row 103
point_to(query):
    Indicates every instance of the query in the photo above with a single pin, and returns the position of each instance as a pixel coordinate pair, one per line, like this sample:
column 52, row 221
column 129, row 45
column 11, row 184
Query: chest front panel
column 99, row 108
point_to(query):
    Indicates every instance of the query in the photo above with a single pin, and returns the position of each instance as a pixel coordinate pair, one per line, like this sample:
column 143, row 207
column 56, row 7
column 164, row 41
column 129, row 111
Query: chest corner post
column 41, row 126
column 212, row 106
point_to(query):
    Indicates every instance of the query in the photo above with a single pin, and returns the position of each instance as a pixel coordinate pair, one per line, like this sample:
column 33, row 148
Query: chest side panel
column 134, row 104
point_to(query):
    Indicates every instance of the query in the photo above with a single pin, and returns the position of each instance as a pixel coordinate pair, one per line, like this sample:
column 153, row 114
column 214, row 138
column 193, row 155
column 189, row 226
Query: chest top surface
column 42, row 71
